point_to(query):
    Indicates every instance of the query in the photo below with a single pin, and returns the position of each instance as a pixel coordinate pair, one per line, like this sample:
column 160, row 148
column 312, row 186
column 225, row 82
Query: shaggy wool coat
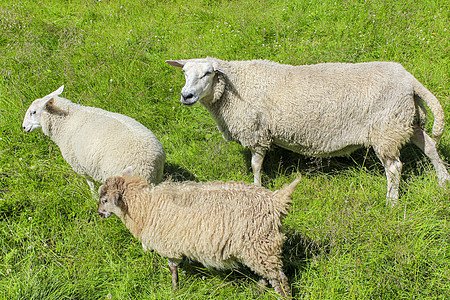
column 218, row 224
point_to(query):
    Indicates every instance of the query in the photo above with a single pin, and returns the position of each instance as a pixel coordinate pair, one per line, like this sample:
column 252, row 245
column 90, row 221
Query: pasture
column 343, row 242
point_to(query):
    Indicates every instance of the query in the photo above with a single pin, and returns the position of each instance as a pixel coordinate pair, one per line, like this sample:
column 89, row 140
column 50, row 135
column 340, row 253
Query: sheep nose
column 187, row 95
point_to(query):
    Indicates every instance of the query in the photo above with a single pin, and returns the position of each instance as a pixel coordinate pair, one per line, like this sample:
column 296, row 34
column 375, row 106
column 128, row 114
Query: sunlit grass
column 342, row 240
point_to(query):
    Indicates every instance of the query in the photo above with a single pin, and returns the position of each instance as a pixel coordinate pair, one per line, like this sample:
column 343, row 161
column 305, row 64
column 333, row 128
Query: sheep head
column 111, row 201
column 200, row 77
column 32, row 117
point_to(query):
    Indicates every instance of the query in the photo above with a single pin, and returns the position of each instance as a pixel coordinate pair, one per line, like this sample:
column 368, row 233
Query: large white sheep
column 319, row 110
column 218, row 224
column 96, row 143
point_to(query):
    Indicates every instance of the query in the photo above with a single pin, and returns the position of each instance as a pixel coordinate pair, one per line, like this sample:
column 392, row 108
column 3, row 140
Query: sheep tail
column 282, row 197
column 434, row 105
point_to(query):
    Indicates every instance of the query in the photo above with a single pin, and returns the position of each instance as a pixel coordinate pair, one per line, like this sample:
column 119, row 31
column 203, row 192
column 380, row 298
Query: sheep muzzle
column 103, row 214
column 188, row 99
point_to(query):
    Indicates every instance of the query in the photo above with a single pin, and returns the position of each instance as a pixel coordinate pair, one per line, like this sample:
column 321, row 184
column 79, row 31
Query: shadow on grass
column 444, row 152
column 177, row 173
column 281, row 161
column 294, row 256
column 237, row 278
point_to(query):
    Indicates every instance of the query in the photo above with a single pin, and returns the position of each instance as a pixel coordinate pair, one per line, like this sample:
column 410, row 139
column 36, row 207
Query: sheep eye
column 32, row 112
column 103, row 200
column 206, row 74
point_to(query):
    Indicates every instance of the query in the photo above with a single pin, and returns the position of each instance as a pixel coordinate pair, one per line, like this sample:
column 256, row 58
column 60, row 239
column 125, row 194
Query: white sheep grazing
column 96, row 143
column 319, row 110
column 218, row 224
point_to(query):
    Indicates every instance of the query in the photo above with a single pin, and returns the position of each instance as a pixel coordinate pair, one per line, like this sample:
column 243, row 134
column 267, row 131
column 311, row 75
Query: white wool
column 95, row 142
column 319, row 110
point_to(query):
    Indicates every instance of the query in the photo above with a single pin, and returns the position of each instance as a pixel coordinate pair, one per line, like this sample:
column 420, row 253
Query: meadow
column 343, row 242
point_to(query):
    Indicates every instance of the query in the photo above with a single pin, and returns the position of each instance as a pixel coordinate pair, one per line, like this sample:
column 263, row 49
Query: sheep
column 219, row 224
column 96, row 143
column 322, row 110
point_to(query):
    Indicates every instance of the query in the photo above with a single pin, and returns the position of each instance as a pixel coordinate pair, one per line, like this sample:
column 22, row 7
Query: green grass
column 342, row 240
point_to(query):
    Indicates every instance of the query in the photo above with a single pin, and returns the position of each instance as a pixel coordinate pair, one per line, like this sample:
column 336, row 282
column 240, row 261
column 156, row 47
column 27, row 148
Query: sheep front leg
column 173, row 267
column 257, row 160
column 92, row 187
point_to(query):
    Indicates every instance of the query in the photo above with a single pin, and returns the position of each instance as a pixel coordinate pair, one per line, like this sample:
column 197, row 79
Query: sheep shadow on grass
column 177, row 173
column 281, row 161
column 294, row 256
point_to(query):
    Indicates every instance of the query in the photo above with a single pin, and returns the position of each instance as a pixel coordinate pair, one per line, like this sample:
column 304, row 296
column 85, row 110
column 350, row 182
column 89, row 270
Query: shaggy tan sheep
column 218, row 224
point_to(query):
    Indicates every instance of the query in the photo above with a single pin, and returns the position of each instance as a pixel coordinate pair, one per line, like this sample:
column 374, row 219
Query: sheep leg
column 277, row 287
column 92, row 187
column 173, row 267
column 257, row 160
column 393, row 168
column 262, row 285
column 282, row 290
column 285, row 283
column 428, row 146
column 269, row 266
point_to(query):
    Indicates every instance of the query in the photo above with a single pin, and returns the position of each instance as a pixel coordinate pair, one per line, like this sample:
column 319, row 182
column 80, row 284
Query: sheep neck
column 52, row 120
column 226, row 110
column 221, row 105
column 138, row 208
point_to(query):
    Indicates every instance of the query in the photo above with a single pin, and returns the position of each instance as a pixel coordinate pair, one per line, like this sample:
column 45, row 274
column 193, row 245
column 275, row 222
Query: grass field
column 343, row 242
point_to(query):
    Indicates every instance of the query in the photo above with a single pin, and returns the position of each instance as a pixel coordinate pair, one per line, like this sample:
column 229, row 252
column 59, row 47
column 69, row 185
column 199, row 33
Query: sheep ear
column 128, row 171
column 58, row 91
column 176, row 63
column 100, row 189
column 47, row 103
column 50, row 106
column 114, row 199
column 219, row 71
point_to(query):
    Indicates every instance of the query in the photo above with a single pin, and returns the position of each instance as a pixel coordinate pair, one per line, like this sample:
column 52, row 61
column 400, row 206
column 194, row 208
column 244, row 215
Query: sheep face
column 31, row 120
column 199, row 77
column 32, row 116
column 110, row 201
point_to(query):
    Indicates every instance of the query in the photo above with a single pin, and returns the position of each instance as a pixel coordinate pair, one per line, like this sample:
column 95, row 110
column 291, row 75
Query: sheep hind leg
column 173, row 267
column 393, row 169
column 262, row 285
column 428, row 146
column 281, row 285
column 285, row 283
column 271, row 269
column 257, row 160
